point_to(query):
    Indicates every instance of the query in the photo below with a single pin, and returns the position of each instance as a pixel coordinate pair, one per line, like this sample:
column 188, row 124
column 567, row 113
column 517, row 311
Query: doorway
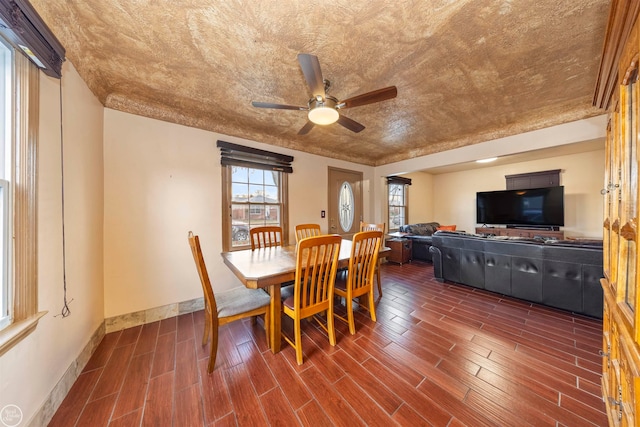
column 345, row 202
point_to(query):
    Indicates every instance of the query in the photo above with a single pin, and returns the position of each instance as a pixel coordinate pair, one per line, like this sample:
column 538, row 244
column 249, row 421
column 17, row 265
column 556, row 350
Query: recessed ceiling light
column 490, row 159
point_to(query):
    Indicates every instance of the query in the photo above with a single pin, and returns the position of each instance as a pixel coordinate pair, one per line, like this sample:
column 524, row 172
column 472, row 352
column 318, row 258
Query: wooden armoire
column 618, row 91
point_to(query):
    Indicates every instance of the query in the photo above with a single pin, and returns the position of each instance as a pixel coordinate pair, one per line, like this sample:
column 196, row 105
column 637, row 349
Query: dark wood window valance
column 21, row 25
column 398, row 180
column 239, row 155
column 522, row 181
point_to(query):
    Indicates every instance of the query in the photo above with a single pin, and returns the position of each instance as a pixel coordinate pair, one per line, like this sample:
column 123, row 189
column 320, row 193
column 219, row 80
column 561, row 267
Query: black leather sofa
column 420, row 235
column 562, row 274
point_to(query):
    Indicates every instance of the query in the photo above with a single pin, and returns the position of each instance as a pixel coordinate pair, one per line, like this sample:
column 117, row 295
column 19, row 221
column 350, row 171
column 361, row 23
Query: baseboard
column 59, row 392
column 129, row 320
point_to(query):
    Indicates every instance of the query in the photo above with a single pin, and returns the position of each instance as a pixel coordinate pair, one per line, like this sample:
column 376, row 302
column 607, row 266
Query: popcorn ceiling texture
column 467, row 71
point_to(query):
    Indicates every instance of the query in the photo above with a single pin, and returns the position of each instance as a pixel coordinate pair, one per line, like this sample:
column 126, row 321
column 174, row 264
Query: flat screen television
column 534, row 207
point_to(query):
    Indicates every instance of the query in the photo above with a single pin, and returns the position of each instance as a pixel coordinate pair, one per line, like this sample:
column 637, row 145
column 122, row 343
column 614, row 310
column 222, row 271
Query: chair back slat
column 307, row 230
column 265, row 237
column 372, row 226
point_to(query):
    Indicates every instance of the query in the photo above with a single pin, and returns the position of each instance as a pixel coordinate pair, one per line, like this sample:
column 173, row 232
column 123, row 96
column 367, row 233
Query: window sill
column 17, row 331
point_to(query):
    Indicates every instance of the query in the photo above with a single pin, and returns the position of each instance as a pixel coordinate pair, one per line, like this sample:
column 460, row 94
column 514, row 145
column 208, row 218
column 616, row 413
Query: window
column 26, row 43
column 398, row 201
column 256, row 200
column 20, row 91
column 254, row 184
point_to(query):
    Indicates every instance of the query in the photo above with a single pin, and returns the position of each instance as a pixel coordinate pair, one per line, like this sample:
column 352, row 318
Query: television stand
column 524, row 227
column 521, row 232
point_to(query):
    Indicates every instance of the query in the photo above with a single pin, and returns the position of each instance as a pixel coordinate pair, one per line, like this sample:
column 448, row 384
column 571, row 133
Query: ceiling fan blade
column 277, row 106
column 306, row 128
column 350, row 124
column 371, row 97
column 312, row 73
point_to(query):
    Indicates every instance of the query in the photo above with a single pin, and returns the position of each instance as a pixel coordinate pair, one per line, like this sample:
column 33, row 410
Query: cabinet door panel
column 621, row 321
column 628, row 185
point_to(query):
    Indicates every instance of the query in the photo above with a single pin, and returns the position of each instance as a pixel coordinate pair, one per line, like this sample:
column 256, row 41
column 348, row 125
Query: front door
column 345, row 202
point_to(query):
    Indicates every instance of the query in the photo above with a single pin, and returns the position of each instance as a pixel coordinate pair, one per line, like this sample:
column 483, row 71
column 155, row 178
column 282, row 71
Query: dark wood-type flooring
column 440, row 354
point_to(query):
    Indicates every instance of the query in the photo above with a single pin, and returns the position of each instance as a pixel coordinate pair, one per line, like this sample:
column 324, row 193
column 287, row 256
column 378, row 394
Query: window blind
column 239, row 155
column 398, row 180
column 23, row 27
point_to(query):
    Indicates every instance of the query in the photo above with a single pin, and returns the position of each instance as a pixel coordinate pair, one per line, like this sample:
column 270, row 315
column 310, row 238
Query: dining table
column 268, row 268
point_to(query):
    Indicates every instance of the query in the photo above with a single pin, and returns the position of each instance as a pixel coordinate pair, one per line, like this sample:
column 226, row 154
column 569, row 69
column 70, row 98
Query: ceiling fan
column 322, row 108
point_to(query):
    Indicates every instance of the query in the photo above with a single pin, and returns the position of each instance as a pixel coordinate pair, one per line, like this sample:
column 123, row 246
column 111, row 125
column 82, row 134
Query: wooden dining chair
column 372, row 226
column 307, row 230
column 265, row 237
column 358, row 280
column 316, row 265
column 236, row 304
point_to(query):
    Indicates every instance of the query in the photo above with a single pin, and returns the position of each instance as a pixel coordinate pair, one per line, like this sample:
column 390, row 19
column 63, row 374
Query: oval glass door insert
column 346, row 203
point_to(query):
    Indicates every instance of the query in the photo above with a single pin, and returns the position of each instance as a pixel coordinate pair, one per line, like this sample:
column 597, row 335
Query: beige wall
column 162, row 180
column 454, row 194
column 583, row 219
column 420, row 197
column 31, row 369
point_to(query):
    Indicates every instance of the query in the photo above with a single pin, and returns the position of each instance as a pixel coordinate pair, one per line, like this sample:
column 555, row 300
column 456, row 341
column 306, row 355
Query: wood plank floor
column 440, row 354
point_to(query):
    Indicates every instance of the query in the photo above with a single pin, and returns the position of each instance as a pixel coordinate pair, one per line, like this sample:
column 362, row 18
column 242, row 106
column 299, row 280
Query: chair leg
column 298, row 340
column 214, row 347
column 372, row 306
column 351, row 321
column 267, row 326
column 207, row 328
column 379, row 281
column 330, row 327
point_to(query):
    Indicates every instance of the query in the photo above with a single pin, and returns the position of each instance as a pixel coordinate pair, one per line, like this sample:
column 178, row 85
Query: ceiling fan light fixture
column 323, row 108
column 323, row 115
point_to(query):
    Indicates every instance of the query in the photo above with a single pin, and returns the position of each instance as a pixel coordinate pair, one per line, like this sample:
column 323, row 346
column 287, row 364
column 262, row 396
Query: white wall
column 454, row 196
column 162, row 180
column 30, row 370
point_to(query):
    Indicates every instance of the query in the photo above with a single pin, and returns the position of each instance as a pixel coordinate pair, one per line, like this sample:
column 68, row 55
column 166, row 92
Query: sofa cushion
column 420, row 229
column 446, row 227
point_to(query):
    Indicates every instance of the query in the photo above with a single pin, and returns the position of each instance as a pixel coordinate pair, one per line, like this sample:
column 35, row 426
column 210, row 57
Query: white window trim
column 5, row 258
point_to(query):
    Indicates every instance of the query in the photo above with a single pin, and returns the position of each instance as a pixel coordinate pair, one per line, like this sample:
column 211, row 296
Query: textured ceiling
column 467, row 71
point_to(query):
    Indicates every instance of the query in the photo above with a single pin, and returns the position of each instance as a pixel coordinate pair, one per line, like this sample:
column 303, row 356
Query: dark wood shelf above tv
column 523, row 181
column 520, row 232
